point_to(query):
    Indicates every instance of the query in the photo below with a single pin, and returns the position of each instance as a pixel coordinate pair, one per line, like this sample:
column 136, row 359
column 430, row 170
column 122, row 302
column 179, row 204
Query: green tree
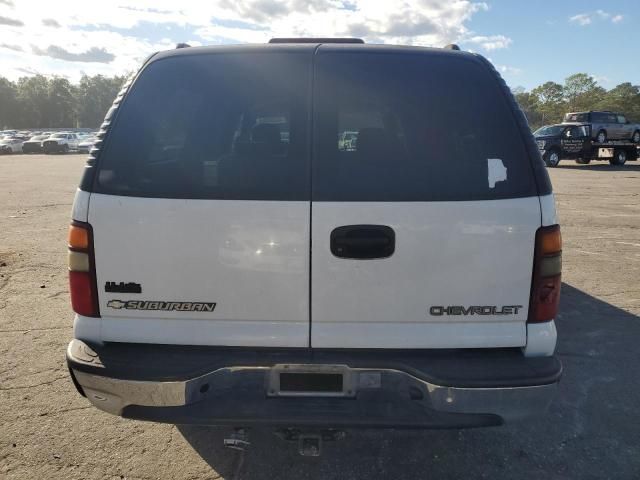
column 8, row 103
column 623, row 98
column 529, row 105
column 582, row 92
column 61, row 104
column 33, row 96
column 549, row 98
column 95, row 96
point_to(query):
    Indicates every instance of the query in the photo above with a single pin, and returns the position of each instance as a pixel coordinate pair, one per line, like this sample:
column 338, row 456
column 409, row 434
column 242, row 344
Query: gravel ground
column 48, row 431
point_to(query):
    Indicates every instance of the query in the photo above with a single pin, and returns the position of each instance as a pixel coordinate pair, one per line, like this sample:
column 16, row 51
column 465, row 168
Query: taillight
column 547, row 268
column 82, row 271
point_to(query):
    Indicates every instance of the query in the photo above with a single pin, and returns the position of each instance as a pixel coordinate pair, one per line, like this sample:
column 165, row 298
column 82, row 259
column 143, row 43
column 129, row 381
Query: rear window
column 414, row 127
column 218, row 126
column 576, row 117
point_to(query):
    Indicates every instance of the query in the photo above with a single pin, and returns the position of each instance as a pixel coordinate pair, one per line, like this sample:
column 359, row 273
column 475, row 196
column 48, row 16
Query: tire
column 583, row 161
column 601, row 137
column 619, row 158
column 552, row 158
column 65, row 148
column 635, row 138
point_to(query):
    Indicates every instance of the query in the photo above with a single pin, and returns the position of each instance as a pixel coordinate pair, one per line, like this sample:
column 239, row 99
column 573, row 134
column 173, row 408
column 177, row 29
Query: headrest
column 374, row 142
column 266, row 133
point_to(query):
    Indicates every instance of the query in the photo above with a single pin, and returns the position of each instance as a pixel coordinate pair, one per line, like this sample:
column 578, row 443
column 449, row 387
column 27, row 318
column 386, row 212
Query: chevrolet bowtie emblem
column 115, row 304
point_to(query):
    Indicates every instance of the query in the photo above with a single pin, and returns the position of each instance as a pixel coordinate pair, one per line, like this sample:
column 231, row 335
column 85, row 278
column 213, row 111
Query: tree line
column 580, row 92
column 55, row 102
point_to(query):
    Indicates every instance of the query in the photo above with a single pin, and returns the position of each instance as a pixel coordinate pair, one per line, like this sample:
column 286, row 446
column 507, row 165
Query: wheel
column 65, row 149
column 583, row 161
column 602, row 136
column 552, row 158
column 636, row 137
column 619, row 158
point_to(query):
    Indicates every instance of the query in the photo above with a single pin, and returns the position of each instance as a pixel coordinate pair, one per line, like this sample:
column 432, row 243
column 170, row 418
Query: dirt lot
column 592, row 432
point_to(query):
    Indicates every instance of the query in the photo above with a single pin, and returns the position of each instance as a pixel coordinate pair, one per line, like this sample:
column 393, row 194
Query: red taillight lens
column 82, row 275
column 547, row 267
column 82, row 293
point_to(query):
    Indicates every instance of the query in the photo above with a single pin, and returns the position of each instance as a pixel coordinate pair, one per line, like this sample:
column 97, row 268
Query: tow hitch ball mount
column 310, row 441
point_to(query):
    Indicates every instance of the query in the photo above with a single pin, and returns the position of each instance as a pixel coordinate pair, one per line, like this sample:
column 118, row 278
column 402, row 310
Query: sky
column 529, row 41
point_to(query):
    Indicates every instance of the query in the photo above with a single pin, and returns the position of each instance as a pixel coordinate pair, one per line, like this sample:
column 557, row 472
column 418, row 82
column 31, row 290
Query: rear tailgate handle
column 363, row 242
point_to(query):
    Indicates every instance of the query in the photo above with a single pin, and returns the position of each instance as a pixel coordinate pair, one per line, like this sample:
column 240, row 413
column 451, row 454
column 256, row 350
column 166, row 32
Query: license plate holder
column 310, row 381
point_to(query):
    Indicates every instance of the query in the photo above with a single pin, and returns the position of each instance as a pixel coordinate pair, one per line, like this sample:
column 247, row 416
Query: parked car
column 10, row 144
column 86, row 144
column 427, row 300
column 606, row 125
column 34, row 144
column 62, row 142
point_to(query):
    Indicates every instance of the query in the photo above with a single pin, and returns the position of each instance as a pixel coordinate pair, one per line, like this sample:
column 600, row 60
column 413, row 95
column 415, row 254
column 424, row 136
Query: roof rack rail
column 451, row 46
column 182, row 45
column 316, row 40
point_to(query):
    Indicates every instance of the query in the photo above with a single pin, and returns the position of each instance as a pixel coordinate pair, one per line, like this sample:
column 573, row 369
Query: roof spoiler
column 316, row 40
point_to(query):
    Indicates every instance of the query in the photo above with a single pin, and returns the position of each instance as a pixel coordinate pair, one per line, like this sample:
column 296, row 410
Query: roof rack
column 451, row 46
column 316, row 40
column 182, row 45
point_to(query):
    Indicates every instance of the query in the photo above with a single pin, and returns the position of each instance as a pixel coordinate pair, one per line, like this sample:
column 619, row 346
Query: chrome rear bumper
column 382, row 396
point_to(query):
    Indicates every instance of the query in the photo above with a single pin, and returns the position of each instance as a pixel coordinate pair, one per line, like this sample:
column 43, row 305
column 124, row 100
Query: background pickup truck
column 61, row 142
column 606, row 125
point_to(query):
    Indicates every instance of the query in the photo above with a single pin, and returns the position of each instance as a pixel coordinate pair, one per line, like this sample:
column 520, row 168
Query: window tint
column 611, row 118
column 599, row 117
column 621, row 119
column 414, row 127
column 575, row 132
column 576, row 117
column 225, row 126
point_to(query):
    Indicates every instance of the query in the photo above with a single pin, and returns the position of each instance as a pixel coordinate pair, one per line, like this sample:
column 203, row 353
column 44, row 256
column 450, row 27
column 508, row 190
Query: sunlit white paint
column 447, row 253
column 80, row 209
column 87, row 328
column 250, row 257
column 548, row 210
column 541, row 339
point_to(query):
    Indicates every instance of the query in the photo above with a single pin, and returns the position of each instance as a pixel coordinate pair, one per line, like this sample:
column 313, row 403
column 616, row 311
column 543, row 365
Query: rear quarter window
column 414, row 127
column 212, row 126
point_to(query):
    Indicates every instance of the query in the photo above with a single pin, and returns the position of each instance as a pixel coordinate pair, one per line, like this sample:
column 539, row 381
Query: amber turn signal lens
column 551, row 241
column 78, row 237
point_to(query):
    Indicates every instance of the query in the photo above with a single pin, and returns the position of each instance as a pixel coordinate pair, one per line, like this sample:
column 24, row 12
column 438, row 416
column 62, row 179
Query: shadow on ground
column 633, row 166
column 591, row 431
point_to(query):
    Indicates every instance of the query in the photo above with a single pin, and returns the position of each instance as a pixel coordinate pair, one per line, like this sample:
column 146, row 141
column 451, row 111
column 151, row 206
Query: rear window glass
column 414, row 127
column 219, row 126
column 576, row 117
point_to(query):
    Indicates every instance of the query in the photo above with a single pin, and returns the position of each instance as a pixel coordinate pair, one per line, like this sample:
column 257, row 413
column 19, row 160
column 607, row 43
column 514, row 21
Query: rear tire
column 552, row 158
column 602, row 136
column 65, row 149
column 635, row 138
column 619, row 158
column 583, row 161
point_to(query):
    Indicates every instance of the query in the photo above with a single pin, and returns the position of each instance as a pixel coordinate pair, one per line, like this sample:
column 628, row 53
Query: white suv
column 62, row 142
column 233, row 262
